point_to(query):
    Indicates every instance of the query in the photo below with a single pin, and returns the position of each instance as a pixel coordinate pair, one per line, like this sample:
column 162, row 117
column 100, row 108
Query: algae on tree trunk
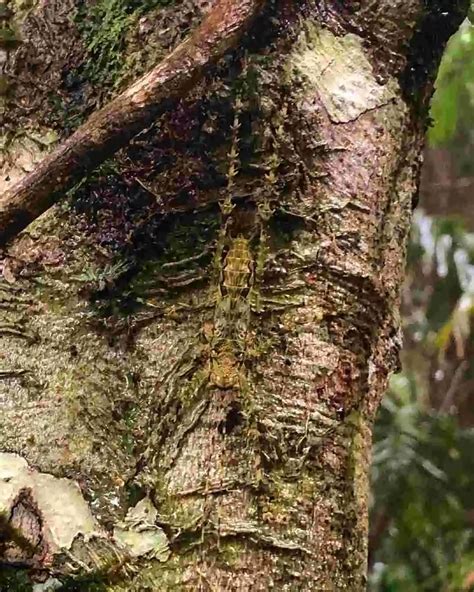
column 196, row 344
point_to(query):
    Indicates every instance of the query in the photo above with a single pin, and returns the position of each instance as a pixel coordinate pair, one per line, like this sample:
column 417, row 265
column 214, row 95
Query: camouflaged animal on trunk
column 239, row 263
column 227, row 336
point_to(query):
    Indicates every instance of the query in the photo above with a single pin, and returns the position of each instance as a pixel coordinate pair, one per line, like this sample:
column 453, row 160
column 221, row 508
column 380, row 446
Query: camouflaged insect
column 231, row 316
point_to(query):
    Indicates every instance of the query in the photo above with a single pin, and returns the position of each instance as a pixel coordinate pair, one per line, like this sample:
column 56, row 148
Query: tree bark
column 189, row 394
column 114, row 125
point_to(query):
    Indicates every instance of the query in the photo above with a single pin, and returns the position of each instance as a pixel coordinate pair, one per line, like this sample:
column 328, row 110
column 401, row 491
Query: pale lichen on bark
column 338, row 67
column 59, row 502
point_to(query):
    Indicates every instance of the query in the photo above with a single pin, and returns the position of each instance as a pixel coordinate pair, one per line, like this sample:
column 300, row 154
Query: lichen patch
column 139, row 535
column 339, row 70
column 29, row 148
column 63, row 511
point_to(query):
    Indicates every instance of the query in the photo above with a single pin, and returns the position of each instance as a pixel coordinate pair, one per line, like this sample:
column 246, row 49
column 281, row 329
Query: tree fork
column 112, row 127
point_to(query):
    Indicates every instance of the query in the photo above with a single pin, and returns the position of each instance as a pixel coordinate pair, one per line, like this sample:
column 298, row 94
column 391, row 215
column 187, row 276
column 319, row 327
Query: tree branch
column 111, row 128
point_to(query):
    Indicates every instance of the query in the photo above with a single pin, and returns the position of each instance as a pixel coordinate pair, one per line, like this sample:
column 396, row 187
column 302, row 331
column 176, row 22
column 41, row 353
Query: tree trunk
column 195, row 347
column 133, row 110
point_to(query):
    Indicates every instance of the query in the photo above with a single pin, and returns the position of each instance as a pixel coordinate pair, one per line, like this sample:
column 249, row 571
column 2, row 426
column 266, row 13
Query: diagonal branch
column 111, row 128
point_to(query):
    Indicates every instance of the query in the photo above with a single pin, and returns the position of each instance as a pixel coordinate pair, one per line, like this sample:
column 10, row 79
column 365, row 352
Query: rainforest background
column 422, row 473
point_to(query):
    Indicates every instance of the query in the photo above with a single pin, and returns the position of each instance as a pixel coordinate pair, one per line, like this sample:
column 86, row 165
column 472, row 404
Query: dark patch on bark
column 21, row 537
column 233, row 420
column 440, row 19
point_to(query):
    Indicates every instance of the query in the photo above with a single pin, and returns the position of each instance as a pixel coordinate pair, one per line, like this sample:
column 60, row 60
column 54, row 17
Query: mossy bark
column 195, row 346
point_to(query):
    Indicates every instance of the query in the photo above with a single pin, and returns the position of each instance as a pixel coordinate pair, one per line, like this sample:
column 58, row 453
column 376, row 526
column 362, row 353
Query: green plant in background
column 421, row 484
column 454, row 86
column 423, row 467
column 443, row 251
column 422, row 514
column 452, row 108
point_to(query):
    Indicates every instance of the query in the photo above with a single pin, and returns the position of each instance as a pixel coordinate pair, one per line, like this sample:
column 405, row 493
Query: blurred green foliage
column 422, row 515
column 440, row 253
column 454, row 88
column 452, row 108
column 422, row 510
column 422, row 484
column 423, row 464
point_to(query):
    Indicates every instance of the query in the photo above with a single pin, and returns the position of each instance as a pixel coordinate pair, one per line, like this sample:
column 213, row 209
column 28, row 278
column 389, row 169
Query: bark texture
column 195, row 348
column 115, row 124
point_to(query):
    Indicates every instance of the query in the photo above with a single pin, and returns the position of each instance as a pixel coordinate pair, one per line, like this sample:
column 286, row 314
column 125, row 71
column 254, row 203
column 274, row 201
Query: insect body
column 231, row 315
column 237, row 270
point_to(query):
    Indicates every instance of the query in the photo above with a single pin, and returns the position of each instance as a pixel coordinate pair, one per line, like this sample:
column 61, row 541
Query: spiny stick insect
column 237, row 270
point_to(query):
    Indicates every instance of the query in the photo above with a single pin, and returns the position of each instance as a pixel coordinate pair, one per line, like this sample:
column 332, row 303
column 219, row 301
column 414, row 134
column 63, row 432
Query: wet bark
column 196, row 346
